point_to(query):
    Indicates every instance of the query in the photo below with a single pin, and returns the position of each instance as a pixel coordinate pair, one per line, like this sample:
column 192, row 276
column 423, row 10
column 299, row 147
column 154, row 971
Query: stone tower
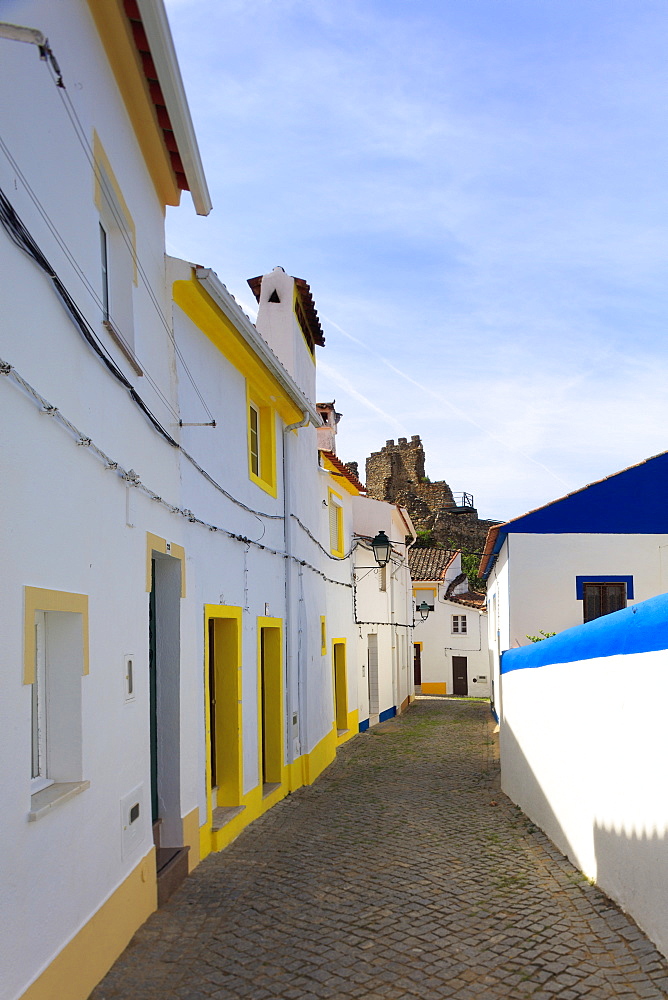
column 397, row 473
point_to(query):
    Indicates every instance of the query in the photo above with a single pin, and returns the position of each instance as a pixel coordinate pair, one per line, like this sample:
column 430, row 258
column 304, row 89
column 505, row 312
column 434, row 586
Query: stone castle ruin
column 397, row 473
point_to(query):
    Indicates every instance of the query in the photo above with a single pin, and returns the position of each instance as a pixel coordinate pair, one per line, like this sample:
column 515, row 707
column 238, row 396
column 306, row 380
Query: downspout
column 410, row 652
column 289, row 637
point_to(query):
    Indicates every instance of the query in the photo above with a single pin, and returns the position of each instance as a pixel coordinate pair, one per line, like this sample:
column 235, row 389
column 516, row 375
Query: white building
column 581, row 556
column 382, row 608
column 173, row 609
column 450, row 646
column 87, row 394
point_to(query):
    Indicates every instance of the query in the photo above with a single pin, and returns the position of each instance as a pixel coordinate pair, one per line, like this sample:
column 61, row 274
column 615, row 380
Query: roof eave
column 158, row 33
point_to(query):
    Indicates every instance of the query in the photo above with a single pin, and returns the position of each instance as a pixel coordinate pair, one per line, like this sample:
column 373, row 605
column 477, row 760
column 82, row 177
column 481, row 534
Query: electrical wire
column 21, row 237
column 82, row 275
column 82, row 138
column 132, row 479
column 15, row 228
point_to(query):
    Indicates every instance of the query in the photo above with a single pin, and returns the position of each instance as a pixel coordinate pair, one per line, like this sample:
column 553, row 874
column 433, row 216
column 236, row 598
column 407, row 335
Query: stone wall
column 397, row 473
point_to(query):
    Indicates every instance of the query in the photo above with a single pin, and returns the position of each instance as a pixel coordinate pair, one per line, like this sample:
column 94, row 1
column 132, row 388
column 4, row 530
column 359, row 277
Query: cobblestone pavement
column 403, row 872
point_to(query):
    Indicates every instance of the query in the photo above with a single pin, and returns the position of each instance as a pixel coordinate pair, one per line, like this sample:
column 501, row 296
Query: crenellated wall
column 397, row 473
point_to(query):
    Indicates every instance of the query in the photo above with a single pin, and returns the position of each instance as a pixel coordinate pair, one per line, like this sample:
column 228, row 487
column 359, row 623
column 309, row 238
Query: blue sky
column 477, row 193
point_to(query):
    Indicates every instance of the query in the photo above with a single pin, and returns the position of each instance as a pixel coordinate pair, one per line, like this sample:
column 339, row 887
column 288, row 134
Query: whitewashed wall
column 440, row 644
column 387, row 614
column 583, row 753
column 543, row 569
column 68, row 514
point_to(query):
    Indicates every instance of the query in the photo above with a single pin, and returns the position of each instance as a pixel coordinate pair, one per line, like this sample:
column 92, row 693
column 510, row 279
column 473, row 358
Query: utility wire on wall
column 22, row 238
column 132, row 479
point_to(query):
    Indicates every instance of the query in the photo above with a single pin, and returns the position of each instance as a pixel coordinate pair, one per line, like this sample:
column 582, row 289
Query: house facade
column 450, row 654
column 178, row 589
column 97, row 140
column 584, row 555
column 381, row 611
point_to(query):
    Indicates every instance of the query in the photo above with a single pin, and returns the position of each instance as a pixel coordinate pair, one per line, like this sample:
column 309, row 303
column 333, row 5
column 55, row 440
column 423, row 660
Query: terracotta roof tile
column 429, row 563
column 471, row 599
column 343, row 470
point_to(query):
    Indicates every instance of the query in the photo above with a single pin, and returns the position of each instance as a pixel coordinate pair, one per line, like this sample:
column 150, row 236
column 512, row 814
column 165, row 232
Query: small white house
column 587, row 554
column 379, row 611
column 450, row 645
column 383, row 611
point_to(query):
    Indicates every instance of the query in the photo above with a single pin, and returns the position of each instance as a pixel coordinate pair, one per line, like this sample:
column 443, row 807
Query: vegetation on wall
column 541, row 635
column 470, row 564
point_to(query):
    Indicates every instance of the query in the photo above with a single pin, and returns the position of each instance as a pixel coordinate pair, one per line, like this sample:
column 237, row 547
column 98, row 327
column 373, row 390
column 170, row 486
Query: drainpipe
column 410, row 648
column 289, row 637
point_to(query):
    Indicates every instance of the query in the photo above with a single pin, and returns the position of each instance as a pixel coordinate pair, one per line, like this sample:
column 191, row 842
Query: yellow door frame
column 270, row 709
column 228, row 716
column 339, row 672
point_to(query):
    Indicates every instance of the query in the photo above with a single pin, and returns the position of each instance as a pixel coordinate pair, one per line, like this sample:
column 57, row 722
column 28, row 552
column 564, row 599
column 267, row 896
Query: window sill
column 60, row 791
column 125, row 350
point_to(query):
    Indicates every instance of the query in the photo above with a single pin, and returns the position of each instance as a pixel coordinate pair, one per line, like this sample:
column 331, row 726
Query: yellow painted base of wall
column 302, row 771
column 83, row 962
column 352, row 728
column 191, row 838
column 436, row 688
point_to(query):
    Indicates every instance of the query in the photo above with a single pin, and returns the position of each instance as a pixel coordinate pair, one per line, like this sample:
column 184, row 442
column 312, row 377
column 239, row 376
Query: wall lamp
column 382, row 548
column 424, row 610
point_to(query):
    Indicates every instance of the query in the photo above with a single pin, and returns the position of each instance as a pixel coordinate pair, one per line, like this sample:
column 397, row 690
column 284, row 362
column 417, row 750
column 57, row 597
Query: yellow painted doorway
column 340, row 685
column 223, row 657
column 270, row 709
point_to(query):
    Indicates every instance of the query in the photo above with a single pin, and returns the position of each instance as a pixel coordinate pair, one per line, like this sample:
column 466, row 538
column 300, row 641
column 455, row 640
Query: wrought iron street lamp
column 382, row 548
column 424, row 610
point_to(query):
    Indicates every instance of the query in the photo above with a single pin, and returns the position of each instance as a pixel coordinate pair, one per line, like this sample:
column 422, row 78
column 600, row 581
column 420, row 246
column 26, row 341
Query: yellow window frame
column 37, row 599
column 261, row 440
column 336, row 546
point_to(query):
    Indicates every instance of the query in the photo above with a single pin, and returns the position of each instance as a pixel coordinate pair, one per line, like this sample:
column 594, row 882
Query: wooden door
column 460, row 679
column 417, row 663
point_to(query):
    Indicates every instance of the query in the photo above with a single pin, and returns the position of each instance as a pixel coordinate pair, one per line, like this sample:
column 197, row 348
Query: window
column 459, row 624
column 118, row 263
column 335, row 508
column 261, row 442
column 425, row 596
column 602, row 599
column 56, row 657
column 382, row 578
column 254, row 432
column 323, row 635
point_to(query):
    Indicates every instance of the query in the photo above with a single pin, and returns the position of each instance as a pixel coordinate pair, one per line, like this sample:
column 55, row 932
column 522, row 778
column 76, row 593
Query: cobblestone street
column 403, row 872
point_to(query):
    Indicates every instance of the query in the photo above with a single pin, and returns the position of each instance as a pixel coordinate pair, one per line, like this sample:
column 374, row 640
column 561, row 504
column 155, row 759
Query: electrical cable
column 22, row 238
column 80, row 272
column 132, row 479
column 80, row 133
column 15, row 228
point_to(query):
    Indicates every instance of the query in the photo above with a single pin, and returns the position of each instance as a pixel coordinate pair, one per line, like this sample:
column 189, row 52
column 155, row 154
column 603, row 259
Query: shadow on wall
column 631, row 868
column 519, row 782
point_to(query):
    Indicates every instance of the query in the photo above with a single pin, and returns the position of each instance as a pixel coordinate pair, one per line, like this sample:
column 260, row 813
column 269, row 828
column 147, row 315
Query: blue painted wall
column 630, row 502
column 642, row 628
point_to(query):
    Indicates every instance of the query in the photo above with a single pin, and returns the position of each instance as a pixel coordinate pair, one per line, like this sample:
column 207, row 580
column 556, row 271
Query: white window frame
column 459, row 625
column 39, row 722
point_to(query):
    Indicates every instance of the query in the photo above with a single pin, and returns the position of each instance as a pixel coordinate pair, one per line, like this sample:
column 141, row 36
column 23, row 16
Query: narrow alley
column 403, row 872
